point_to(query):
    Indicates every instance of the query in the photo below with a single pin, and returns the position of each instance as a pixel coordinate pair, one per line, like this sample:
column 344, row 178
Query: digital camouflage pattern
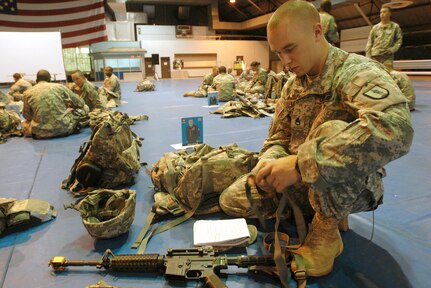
column 52, row 110
column 329, row 26
column 275, row 83
column 146, row 85
column 383, row 42
column 257, row 84
column 88, row 92
column 225, row 85
column 196, row 179
column 110, row 92
column 344, row 125
column 109, row 159
column 254, row 108
column 405, row 84
column 97, row 116
column 15, row 212
column 18, row 88
column 9, row 123
column 107, row 213
column 203, row 88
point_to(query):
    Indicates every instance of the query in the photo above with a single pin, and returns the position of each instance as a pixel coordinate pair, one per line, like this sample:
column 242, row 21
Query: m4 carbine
column 201, row 264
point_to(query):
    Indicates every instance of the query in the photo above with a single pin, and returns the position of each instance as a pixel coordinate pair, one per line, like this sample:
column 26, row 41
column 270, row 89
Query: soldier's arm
column 75, row 100
column 27, row 112
column 381, row 133
column 370, row 43
column 279, row 132
column 398, row 39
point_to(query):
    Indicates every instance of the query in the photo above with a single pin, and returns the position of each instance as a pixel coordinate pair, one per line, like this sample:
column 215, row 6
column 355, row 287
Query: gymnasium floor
column 399, row 254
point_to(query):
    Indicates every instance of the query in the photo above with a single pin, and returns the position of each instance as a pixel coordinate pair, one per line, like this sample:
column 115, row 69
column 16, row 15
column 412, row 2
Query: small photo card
column 192, row 130
column 212, row 98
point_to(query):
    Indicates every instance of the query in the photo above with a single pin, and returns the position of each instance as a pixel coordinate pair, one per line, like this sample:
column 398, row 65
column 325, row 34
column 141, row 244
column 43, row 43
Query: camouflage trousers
column 337, row 201
column 386, row 59
column 255, row 88
column 201, row 93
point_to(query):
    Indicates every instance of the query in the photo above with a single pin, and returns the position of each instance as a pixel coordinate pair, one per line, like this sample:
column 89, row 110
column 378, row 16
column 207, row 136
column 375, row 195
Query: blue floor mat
column 399, row 254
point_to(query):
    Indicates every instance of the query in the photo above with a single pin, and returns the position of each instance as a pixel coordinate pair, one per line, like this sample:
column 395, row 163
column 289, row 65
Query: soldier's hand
column 278, row 174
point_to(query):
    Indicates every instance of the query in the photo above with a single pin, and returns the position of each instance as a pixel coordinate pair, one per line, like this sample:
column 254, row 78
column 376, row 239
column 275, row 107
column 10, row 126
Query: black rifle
column 202, row 264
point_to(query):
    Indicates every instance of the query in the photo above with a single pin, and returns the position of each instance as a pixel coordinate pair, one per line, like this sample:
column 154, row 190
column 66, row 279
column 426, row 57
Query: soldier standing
column 328, row 23
column 339, row 121
column 384, row 40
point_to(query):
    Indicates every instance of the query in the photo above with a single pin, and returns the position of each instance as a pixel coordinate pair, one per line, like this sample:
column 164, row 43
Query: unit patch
column 377, row 92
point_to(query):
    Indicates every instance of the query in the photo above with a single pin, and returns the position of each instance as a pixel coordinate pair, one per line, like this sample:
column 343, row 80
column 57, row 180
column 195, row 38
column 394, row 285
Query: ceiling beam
column 257, row 7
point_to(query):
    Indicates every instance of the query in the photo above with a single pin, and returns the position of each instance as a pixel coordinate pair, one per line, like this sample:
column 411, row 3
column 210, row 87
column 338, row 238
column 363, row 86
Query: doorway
column 166, row 67
column 149, row 71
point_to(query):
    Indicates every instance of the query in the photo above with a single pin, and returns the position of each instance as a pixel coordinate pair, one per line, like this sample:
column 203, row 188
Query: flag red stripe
column 59, row 11
column 44, row 1
column 86, row 42
column 58, row 24
column 83, row 31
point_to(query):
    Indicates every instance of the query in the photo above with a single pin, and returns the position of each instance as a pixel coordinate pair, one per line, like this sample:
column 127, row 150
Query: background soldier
column 328, row 23
column 87, row 91
column 225, row 84
column 384, row 40
column 206, row 83
column 111, row 90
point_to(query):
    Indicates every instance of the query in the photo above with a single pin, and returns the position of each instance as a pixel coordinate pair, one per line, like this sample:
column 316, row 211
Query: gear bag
column 109, row 159
column 191, row 183
column 198, row 178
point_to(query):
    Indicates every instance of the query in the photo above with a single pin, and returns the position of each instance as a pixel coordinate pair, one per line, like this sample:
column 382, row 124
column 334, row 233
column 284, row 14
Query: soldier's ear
column 318, row 31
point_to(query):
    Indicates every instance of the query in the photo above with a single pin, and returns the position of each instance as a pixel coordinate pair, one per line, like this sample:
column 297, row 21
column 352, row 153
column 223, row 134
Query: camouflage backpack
column 109, row 159
column 195, row 180
column 145, row 85
column 191, row 183
column 9, row 122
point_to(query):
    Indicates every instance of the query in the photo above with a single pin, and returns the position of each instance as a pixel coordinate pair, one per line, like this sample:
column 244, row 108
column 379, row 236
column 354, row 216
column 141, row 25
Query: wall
column 161, row 40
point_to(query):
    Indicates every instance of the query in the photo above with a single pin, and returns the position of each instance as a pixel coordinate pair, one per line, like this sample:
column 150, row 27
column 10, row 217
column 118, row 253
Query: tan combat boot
column 322, row 244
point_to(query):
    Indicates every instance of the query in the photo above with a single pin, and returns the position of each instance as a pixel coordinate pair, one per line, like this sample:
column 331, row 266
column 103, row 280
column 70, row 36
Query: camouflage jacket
column 88, row 92
column 406, row 86
column 384, row 39
column 329, row 27
column 224, row 84
column 52, row 109
column 19, row 86
column 353, row 89
column 207, row 82
column 112, row 84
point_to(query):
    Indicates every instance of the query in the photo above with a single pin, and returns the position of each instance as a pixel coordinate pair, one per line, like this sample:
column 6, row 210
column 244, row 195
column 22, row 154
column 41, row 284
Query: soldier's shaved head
column 294, row 10
column 43, row 75
column 296, row 36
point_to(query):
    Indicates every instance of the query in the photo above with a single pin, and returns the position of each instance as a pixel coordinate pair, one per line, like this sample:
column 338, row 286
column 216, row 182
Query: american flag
column 81, row 22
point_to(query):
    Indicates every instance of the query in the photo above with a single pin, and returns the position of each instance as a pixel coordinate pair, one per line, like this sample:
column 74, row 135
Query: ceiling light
column 232, row 1
column 398, row 4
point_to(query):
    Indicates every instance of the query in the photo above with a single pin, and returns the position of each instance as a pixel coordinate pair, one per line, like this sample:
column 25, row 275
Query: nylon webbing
column 279, row 257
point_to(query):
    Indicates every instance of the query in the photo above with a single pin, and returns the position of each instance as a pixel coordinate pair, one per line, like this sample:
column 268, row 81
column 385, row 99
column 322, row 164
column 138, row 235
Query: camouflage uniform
column 203, row 89
column 52, row 110
column 18, row 88
column 383, row 42
column 9, row 123
column 329, row 27
column 406, row 86
column 257, row 85
column 224, row 84
column 88, row 93
column 344, row 125
column 274, row 84
column 110, row 93
column 245, row 78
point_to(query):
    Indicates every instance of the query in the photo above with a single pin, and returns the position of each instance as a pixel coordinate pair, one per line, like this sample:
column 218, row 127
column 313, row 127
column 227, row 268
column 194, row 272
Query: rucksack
column 195, row 180
column 191, row 183
column 9, row 123
column 109, row 159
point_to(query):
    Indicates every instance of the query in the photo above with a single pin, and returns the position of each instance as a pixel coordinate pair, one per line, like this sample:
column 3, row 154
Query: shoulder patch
column 377, row 92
